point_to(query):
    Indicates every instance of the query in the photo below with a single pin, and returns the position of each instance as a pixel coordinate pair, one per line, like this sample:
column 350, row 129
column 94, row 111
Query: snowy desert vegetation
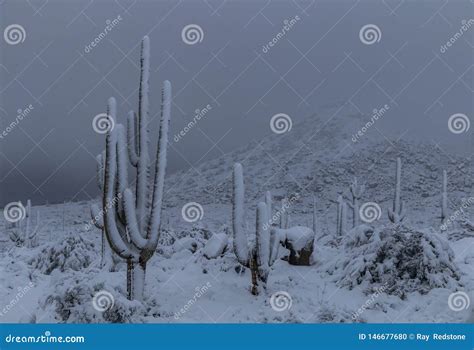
column 325, row 234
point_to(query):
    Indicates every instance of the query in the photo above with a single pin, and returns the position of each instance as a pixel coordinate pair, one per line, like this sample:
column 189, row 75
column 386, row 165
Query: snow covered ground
column 56, row 281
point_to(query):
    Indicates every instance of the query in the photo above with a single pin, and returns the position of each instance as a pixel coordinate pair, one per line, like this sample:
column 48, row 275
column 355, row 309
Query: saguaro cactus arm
column 160, row 168
column 100, row 170
column 116, row 235
column 97, row 218
column 132, row 138
column 268, row 202
column 262, row 236
column 143, row 165
column 131, row 220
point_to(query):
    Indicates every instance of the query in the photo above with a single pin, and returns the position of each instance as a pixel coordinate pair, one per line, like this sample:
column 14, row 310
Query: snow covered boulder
column 299, row 241
column 399, row 258
column 215, row 246
column 73, row 253
column 186, row 243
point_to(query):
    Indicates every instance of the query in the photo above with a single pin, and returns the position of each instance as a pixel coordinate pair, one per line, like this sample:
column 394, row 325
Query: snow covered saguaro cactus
column 132, row 225
column 258, row 256
column 29, row 233
column 106, row 254
column 341, row 216
column 268, row 202
column 397, row 213
column 444, row 198
column 137, row 137
column 284, row 216
column 356, row 193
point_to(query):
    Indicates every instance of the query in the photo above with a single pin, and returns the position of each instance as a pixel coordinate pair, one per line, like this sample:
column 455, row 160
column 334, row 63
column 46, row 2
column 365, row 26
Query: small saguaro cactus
column 24, row 234
column 268, row 202
column 132, row 225
column 30, row 232
column 97, row 217
column 444, row 198
column 284, row 215
column 397, row 213
column 356, row 194
column 341, row 216
column 258, row 256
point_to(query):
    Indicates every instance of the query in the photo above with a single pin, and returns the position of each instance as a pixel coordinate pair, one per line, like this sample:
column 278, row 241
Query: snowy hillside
column 375, row 272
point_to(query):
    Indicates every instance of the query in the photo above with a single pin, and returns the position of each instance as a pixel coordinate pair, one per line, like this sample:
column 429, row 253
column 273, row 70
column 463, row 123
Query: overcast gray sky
column 320, row 60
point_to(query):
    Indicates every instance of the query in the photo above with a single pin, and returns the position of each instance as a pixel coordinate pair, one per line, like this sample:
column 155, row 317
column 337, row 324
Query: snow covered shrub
column 74, row 253
column 77, row 299
column 398, row 257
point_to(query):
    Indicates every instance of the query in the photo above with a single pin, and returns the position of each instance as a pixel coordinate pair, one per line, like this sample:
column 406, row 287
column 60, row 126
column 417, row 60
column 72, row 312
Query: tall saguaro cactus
column 397, row 213
column 132, row 225
column 444, row 198
column 356, row 193
column 258, row 256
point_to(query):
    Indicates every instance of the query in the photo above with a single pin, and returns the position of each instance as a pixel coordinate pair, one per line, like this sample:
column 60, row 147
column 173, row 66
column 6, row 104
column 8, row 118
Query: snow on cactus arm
column 143, row 164
column 132, row 139
column 153, row 233
column 262, row 237
column 97, row 217
column 131, row 219
column 115, row 236
column 215, row 246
